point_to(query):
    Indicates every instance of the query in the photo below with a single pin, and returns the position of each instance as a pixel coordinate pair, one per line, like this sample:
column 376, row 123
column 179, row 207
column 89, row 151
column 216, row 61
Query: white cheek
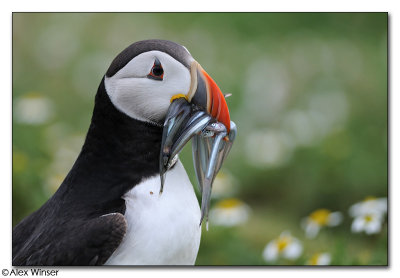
column 146, row 99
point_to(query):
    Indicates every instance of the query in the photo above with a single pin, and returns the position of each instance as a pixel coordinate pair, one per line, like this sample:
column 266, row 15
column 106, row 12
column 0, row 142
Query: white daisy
column 368, row 215
column 33, row 109
column 285, row 246
column 320, row 259
column 229, row 212
column 370, row 205
column 318, row 219
column 369, row 223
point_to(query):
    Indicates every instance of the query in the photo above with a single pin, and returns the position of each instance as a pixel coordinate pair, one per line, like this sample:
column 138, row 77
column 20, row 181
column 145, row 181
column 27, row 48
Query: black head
column 177, row 51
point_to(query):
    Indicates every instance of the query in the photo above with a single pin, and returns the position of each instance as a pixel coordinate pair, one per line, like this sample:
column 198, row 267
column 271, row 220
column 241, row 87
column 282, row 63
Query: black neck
column 117, row 154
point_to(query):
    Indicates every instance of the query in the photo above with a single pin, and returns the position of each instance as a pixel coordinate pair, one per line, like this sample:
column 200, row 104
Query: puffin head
column 159, row 82
column 147, row 76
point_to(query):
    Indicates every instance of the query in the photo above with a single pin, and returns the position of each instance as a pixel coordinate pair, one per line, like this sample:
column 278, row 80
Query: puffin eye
column 157, row 71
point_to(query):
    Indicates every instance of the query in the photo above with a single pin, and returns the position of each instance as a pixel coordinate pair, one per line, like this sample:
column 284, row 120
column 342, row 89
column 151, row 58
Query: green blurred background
column 309, row 97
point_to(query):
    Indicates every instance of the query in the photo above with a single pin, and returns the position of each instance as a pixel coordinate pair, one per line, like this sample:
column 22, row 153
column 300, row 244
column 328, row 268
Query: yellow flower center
column 320, row 216
column 369, row 198
column 283, row 242
column 368, row 218
column 314, row 259
column 229, row 203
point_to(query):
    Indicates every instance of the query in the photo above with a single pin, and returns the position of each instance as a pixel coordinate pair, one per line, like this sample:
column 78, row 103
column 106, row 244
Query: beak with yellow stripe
column 201, row 114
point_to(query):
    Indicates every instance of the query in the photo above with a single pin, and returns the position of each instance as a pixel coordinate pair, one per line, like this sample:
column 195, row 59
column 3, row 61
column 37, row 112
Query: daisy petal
column 357, row 225
column 270, row 252
column 335, row 218
column 324, row 259
column 293, row 250
column 311, row 229
column 373, row 227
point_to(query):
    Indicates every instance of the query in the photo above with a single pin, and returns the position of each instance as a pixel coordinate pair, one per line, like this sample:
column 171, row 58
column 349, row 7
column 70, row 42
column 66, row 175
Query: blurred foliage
column 309, row 97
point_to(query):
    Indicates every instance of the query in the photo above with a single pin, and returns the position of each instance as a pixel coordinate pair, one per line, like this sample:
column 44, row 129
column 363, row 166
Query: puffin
column 127, row 199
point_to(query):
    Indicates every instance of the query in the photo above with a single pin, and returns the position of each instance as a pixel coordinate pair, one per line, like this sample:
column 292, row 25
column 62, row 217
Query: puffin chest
column 162, row 229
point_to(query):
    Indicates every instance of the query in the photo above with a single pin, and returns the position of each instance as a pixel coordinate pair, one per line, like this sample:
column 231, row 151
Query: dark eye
column 157, row 71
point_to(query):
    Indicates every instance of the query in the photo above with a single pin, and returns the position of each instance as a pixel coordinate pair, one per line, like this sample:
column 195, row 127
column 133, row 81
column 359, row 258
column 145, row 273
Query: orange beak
column 205, row 93
column 218, row 107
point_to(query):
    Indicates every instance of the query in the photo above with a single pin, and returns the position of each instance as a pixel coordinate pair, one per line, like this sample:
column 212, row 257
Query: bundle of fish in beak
column 211, row 144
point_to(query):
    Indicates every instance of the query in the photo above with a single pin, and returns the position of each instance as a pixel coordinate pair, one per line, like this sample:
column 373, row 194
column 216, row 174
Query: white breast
column 162, row 229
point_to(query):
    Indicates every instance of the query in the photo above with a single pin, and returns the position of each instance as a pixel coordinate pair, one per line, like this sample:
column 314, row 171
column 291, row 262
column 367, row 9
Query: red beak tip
column 218, row 108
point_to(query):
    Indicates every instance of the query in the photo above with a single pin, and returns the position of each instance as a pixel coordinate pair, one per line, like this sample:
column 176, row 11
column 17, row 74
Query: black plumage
column 67, row 230
column 173, row 49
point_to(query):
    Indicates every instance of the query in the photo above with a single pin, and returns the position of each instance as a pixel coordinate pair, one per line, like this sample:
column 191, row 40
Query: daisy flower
column 318, row 219
column 368, row 215
column 285, row 246
column 229, row 212
column 33, row 109
column 320, row 259
column 369, row 223
column 370, row 205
